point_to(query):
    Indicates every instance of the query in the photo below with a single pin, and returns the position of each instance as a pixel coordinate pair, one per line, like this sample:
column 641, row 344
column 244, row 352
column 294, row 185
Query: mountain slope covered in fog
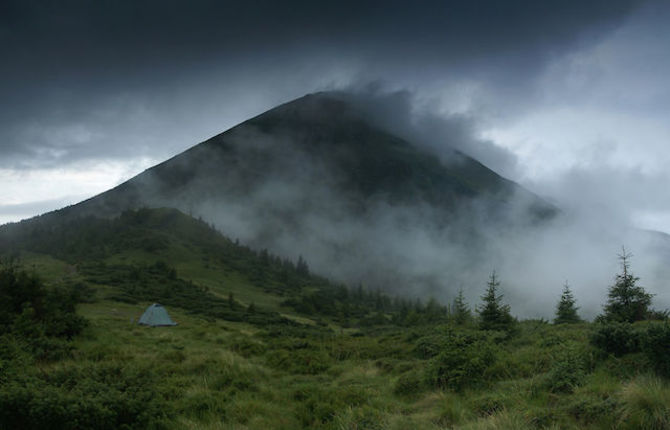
column 318, row 177
column 304, row 155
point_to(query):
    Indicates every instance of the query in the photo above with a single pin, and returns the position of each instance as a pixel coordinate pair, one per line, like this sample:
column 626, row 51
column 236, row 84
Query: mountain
column 317, row 177
column 317, row 140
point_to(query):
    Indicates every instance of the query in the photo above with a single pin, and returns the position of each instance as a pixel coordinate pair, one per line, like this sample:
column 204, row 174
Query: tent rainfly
column 155, row 316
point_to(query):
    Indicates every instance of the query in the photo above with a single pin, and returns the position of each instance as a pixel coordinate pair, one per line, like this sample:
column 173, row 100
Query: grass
column 645, row 404
column 194, row 265
column 315, row 371
column 214, row 374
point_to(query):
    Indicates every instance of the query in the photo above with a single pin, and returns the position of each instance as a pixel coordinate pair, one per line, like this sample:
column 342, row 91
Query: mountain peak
column 316, row 176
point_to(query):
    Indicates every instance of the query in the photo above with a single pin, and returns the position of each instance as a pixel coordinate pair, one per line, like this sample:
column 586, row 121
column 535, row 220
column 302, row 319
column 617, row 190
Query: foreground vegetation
column 262, row 343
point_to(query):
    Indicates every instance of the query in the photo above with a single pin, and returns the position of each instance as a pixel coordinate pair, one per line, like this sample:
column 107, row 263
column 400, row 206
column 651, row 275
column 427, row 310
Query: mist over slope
column 323, row 177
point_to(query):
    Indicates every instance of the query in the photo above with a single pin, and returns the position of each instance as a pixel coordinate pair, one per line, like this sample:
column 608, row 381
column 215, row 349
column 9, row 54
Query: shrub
column 616, row 338
column 462, row 362
column 567, row 373
column 430, row 346
column 656, row 346
column 86, row 397
column 30, row 310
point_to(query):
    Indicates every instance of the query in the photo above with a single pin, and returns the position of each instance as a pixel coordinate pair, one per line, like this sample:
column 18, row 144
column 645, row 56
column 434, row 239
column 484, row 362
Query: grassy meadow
column 264, row 344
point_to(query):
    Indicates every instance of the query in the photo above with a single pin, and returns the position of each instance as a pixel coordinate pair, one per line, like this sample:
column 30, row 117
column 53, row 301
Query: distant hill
column 162, row 255
column 316, row 177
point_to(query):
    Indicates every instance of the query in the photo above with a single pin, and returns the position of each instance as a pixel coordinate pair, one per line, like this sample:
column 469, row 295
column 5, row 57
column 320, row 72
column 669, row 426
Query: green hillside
column 264, row 343
column 164, row 255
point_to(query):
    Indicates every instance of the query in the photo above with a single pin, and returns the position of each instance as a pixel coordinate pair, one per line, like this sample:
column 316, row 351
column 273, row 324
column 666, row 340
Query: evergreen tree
column 626, row 301
column 231, row 301
column 251, row 309
column 461, row 310
column 264, row 257
column 566, row 311
column 494, row 315
column 302, row 268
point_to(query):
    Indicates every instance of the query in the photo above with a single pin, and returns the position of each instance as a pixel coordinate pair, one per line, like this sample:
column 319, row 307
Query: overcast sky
column 574, row 96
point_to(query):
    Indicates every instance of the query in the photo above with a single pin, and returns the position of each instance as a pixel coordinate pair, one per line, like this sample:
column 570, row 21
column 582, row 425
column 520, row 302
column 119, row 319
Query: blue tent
column 156, row 315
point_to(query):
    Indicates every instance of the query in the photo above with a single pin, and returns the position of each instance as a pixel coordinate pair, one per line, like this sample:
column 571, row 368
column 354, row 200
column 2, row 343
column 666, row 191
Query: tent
column 156, row 315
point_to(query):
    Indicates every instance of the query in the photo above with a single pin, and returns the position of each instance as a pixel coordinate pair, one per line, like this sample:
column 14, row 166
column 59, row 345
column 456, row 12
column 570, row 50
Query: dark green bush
column 430, row 346
column 616, row 338
column 29, row 309
column 566, row 373
column 40, row 320
column 86, row 397
column 461, row 363
column 656, row 346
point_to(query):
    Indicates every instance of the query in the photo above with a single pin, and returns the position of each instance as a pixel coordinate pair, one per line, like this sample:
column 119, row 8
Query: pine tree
column 494, row 315
column 626, row 301
column 461, row 310
column 566, row 311
column 301, row 267
column 251, row 309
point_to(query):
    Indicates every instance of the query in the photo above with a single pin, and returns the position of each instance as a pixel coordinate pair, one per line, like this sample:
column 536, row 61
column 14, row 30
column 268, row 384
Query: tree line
column 627, row 302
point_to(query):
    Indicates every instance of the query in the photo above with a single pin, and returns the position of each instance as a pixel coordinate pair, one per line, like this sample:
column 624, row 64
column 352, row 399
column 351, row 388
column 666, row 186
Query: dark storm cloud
column 152, row 33
column 121, row 79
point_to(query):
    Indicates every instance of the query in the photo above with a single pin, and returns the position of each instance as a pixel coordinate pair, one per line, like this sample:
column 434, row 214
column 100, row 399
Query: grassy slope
column 218, row 374
column 210, row 373
column 196, row 252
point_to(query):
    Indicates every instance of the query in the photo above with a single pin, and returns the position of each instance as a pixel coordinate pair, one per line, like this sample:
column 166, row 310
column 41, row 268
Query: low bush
column 430, row 346
column 462, row 362
column 656, row 346
column 83, row 397
column 616, row 338
column 566, row 373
